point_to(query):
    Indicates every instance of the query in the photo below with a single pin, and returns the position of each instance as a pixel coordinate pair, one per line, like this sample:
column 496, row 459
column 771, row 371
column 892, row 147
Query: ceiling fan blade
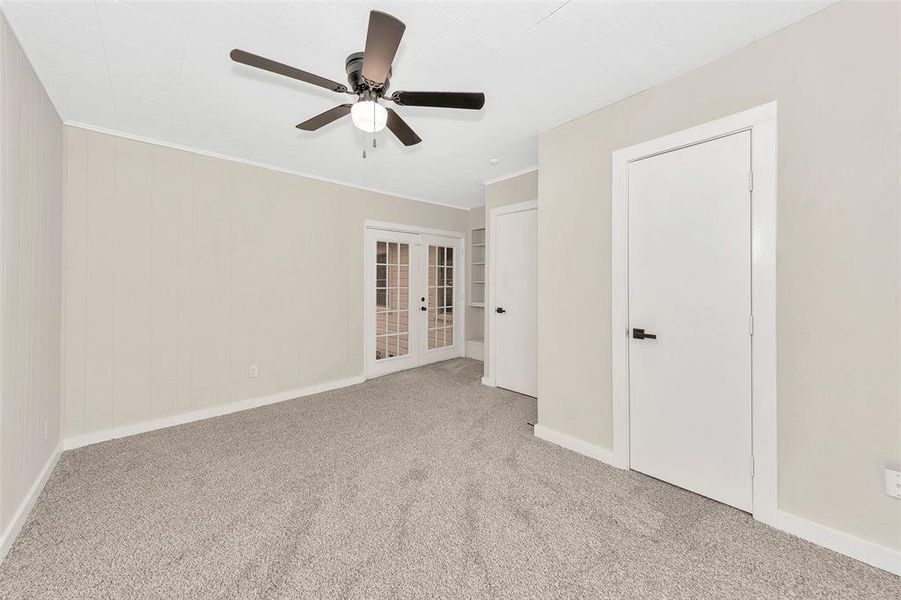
column 468, row 100
column 276, row 67
column 382, row 41
column 400, row 128
column 323, row 119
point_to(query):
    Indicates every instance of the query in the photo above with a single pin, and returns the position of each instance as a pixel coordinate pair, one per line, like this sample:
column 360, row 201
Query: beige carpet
column 418, row 484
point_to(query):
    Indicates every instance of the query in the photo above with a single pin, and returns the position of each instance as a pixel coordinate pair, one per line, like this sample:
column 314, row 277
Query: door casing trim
column 493, row 214
column 460, row 272
column 761, row 121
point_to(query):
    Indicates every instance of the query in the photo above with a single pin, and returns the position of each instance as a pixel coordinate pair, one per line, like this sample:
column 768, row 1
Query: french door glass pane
column 441, row 297
column 392, row 297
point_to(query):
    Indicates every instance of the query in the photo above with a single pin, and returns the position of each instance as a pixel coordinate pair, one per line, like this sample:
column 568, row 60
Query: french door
column 414, row 299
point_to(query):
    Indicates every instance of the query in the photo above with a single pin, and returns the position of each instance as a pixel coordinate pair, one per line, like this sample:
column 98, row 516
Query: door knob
column 639, row 334
column 423, row 308
column 499, row 310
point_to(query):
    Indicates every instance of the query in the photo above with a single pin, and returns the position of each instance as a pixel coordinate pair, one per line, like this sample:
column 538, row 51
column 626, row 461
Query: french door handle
column 423, row 308
column 639, row 334
column 499, row 310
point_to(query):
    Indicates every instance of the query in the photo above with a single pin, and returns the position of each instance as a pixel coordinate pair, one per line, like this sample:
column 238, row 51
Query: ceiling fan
column 368, row 75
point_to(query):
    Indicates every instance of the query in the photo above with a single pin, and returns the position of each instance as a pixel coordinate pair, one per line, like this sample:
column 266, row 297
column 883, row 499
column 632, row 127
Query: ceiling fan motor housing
column 358, row 83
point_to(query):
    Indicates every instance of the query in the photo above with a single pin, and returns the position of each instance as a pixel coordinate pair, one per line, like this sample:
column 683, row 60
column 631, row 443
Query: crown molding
column 509, row 175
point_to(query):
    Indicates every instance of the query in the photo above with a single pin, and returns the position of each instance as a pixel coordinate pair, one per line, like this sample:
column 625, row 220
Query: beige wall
column 509, row 191
column 835, row 76
column 30, row 253
column 182, row 270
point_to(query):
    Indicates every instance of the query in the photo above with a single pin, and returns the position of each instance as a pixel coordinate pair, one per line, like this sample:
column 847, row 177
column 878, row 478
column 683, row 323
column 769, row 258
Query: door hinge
column 751, row 325
column 751, row 464
column 750, row 181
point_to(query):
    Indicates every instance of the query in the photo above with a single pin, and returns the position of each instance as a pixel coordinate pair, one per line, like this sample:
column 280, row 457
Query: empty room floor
column 422, row 483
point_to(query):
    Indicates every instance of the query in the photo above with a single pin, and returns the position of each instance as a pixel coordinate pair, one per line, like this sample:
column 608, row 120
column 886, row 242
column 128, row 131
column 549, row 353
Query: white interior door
column 443, row 299
column 412, row 291
column 514, row 341
column 391, row 259
column 690, row 286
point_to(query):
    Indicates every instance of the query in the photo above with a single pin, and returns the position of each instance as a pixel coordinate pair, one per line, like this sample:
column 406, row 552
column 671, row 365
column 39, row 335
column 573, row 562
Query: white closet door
column 515, row 280
column 690, row 286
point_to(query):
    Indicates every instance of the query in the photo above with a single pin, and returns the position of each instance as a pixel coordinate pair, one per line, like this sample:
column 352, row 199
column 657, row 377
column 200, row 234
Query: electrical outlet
column 253, row 371
column 893, row 483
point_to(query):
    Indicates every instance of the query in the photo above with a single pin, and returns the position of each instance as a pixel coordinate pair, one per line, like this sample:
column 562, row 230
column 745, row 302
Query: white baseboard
column 21, row 514
column 821, row 535
column 475, row 350
column 488, row 381
column 576, row 445
column 77, row 441
column 833, row 539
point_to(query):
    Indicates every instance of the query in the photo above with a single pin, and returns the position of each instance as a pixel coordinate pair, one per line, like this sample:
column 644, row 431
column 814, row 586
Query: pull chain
column 373, row 124
column 373, row 133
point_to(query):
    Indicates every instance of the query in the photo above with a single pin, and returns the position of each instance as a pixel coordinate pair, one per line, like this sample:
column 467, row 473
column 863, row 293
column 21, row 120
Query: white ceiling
column 160, row 70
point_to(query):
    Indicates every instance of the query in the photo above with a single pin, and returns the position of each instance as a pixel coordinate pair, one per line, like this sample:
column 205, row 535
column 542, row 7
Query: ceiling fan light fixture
column 369, row 116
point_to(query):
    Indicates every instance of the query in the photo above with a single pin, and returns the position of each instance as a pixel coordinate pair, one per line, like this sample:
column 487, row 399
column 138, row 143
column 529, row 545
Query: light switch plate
column 893, row 483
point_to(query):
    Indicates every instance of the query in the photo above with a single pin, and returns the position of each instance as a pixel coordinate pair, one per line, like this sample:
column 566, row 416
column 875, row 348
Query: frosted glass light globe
column 369, row 116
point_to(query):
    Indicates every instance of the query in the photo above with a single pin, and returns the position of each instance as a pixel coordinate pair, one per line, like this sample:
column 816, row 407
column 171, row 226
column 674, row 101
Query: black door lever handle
column 499, row 310
column 639, row 334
